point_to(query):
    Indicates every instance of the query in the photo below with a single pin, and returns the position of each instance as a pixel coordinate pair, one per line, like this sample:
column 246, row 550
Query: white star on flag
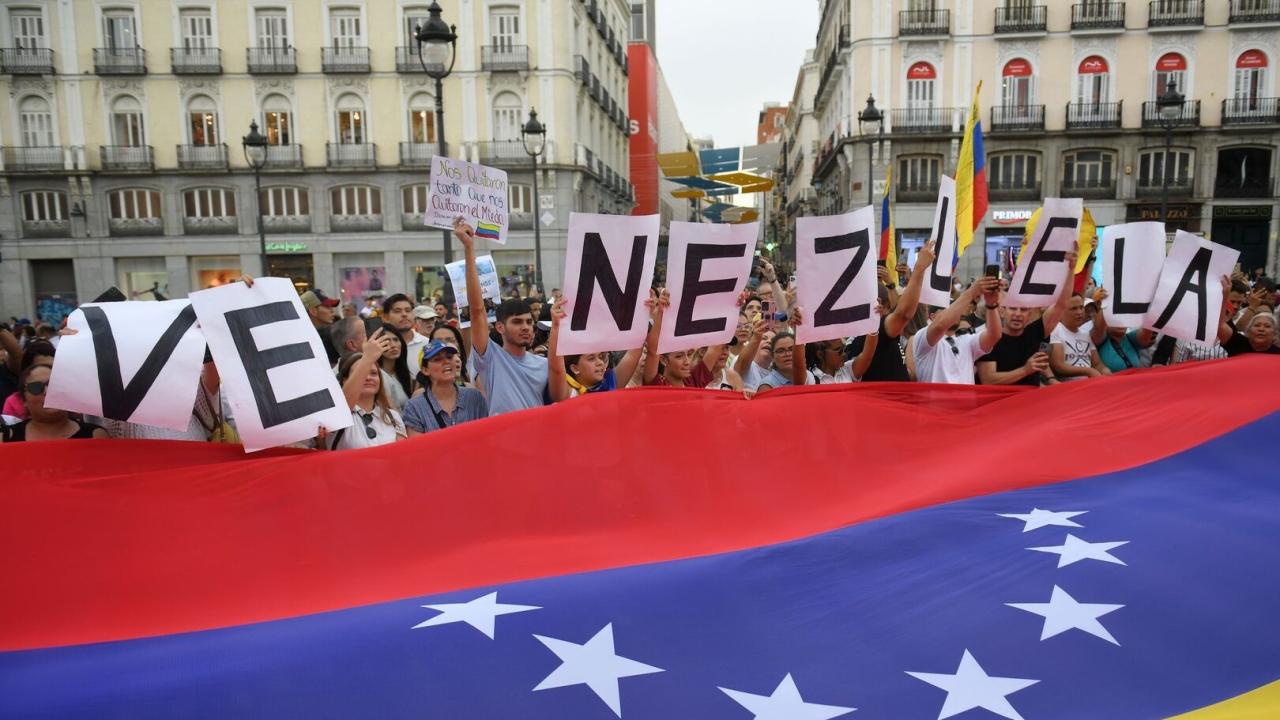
column 1063, row 613
column 971, row 687
column 785, row 704
column 1038, row 518
column 1073, row 550
column 594, row 664
column 479, row 613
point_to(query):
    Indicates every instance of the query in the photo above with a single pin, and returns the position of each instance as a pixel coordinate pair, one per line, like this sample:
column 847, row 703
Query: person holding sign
column 1259, row 334
column 376, row 422
column 680, row 368
column 572, row 375
column 1072, row 354
column 1019, row 358
column 513, row 377
column 954, row 363
column 1119, row 348
column 878, row 356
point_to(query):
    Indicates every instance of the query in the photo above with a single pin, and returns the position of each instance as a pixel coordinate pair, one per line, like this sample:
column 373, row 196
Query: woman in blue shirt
column 441, row 403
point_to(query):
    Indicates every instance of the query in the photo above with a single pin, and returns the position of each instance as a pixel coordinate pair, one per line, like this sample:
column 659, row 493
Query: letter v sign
column 120, row 400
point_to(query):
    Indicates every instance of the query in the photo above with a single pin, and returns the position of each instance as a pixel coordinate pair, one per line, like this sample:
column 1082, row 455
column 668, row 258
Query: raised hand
column 464, row 232
column 558, row 311
column 928, row 254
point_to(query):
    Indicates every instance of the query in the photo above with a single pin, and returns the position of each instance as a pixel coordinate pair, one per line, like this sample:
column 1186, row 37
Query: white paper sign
column 274, row 370
column 1042, row 267
column 476, row 192
column 1188, row 299
column 133, row 361
column 707, row 266
column 836, row 275
column 936, row 290
column 608, row 273
column 490, row 285
column 1132, row 256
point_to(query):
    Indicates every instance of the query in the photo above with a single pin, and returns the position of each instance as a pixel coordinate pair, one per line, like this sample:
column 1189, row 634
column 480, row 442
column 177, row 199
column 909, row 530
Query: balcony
column 582, row 70
column 1152, row 187
column 409, row 61
column 923, row 121
column 918, row 192
column 344, row 59
column 1022, row 19
column 26, row 61
column 128, row 158
column 1175, row 13
column 1250, row 111
column 503, row 153
column 1259, row 188
column 1017, row 118
column 417, row 154
column 915, row 23
column 1014, row 191
column 41, row 158
column 351, row 156
column 504, row 58
column 1097, row 16
column 1188, row 116
column 1095, row 190
column 195, row 61
column 1094, row 116
column 284, row 157
column 202, row 157
column 593, row 88
column 46, row 228
column 356, row 223
column 1244, row 12
column 120, row 61
column 272, row 60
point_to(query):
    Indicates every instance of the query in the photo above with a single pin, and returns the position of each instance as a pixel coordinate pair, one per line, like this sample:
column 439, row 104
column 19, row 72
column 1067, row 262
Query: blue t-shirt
column 1115, row 361
column 420, row 413
column 511, row 383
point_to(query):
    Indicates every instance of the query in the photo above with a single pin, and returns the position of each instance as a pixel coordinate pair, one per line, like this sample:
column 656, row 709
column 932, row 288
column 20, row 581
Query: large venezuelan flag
column 1100, row 550
column 971, row 179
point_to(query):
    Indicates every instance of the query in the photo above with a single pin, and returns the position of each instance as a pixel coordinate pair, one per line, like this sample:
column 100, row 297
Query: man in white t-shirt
column 1072, row 354
column 941, row 355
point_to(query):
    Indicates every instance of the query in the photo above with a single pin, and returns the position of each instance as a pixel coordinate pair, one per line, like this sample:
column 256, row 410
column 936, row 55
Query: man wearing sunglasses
column 942, row 355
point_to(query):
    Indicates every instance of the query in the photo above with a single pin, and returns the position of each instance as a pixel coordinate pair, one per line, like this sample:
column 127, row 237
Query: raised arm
column 475, row 294
column 951, row 315
column 1225, row 330
column 770, row 277
column 557, row 386
column 748, row 354
column 651, row 342
column 897, row 320
column 374, row 348
column 799, row 368
column 1099, row 331
column 993, row 330
column 1054, row 313
column 863, row 362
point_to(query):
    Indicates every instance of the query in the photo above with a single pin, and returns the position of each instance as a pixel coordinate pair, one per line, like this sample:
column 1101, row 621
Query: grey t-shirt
column 510, row 382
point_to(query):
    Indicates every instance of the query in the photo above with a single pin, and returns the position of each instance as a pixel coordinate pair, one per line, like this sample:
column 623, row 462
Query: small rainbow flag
column 487, row 231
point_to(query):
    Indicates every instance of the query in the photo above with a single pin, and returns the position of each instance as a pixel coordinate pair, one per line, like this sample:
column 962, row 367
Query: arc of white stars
column 971, row 687
column 594, row 664
column 1038, row 518
column 785, row 704
column 1063, row 613
column 480, row 613
column 1073, row 550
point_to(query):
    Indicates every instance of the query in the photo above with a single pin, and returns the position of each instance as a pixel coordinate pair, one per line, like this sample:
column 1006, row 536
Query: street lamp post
column 437, row 51
column 1170, row 105
column 534, row 137
column 255, row 153
column 871, row 120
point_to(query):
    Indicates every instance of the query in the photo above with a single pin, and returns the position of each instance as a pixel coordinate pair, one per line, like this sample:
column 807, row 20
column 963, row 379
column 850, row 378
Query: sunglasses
column 36, row 388
column 369, row 432
column 952, row 343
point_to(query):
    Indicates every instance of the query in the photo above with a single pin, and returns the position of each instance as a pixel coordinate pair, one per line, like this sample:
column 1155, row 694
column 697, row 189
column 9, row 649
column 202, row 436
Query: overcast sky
column 723, row 59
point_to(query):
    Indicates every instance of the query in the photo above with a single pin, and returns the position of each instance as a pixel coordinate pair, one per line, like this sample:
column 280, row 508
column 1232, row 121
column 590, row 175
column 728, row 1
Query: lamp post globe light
column 1170, row 105
column 255, row 153
column 871, row 122
column 534, row 137
column 437, row 51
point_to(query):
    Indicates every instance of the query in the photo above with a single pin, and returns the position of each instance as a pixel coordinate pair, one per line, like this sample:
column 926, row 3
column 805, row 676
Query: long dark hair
column 462, row 349
column 401, row 370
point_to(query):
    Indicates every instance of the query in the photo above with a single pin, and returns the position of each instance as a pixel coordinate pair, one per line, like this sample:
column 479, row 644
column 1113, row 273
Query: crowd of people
column 409, row 367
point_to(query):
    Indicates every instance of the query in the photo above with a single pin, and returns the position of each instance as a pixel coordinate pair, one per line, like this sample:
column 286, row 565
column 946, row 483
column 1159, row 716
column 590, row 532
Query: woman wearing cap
column 442, row 403
column 452, row 336
column 573, row 375
column 376, row 422
column 45, row 423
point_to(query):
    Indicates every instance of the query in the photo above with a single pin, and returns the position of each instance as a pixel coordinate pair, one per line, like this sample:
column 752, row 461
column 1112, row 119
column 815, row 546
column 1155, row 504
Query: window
column 44, row 206
column 126, row 122
column 506, row 117
column 920, row 82
column 504, row 27
column 1171, row 67
column 276, row 119
column 1250, row 79
column 197, row 29
column 119, row 31
column 414, row 199
column 413, row 18
column 422, row 119
column 921, row 5
column 209, row 203
column 1017, row 84
column 638, row 28
column 919, row 172
column 1015, row 171
column 521, row 199
column 1093, row 81
column 285, row 202
column 350, row 122
column 136, row 204
column 1243, row 172
column 28, row 28
column 35, row 122
column 202, row 120
column 1152, row 165
column 356, row 200
column 273, row 29
column 344, row 26
column 1088, row 169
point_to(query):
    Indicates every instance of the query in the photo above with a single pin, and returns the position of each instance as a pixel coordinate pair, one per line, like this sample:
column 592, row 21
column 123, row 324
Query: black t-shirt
column 8, row 382
column 1013, row 351
column 887, row 363
column 1239, row 345
column 327, row 342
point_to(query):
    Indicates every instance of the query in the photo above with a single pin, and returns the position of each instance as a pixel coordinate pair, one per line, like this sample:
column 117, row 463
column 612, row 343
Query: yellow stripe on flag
column 964, row 179
column 891, row 260
column 1260, row 704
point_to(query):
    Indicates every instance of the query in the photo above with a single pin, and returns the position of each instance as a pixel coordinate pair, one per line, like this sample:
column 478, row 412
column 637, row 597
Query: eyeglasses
column 783, row 351
column 952, row 343
column 36, row 388
column 369, row 432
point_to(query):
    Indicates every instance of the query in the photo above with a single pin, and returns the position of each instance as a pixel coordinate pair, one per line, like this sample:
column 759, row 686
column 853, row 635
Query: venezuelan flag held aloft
column 888, row 249
column 971, row 178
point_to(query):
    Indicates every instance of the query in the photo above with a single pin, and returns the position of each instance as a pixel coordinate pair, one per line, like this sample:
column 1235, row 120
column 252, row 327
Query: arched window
column 285, row 202
column 1017, row 88
column 918, row 178
column 422, row 119
column 202, row 120
column 1154, row 163
column 1088, row 171
column 126, row 122
column 506, row 116
column 201, row 203
column 921, row 78
column 1251, row 79
column 277, row 120
column 351, row 120
column 35, row 122
column 1017, row 171
column 134, row 204
column 414, row 199
column 44, row 206
column 1093, row 81
column 1171, row 67
column 355, row 200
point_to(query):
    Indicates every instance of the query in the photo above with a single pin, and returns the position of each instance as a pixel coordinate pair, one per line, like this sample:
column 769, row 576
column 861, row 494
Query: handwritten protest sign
column 473, row 191
column 489, row 283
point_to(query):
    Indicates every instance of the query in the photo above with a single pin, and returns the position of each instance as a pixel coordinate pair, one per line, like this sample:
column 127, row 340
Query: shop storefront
column 425, row 275
column 213, row 271
column 54, row 282
column 1182, row 216
column 1246, row 228
column 360, row 276
column 143, row 278
column 291, row 259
